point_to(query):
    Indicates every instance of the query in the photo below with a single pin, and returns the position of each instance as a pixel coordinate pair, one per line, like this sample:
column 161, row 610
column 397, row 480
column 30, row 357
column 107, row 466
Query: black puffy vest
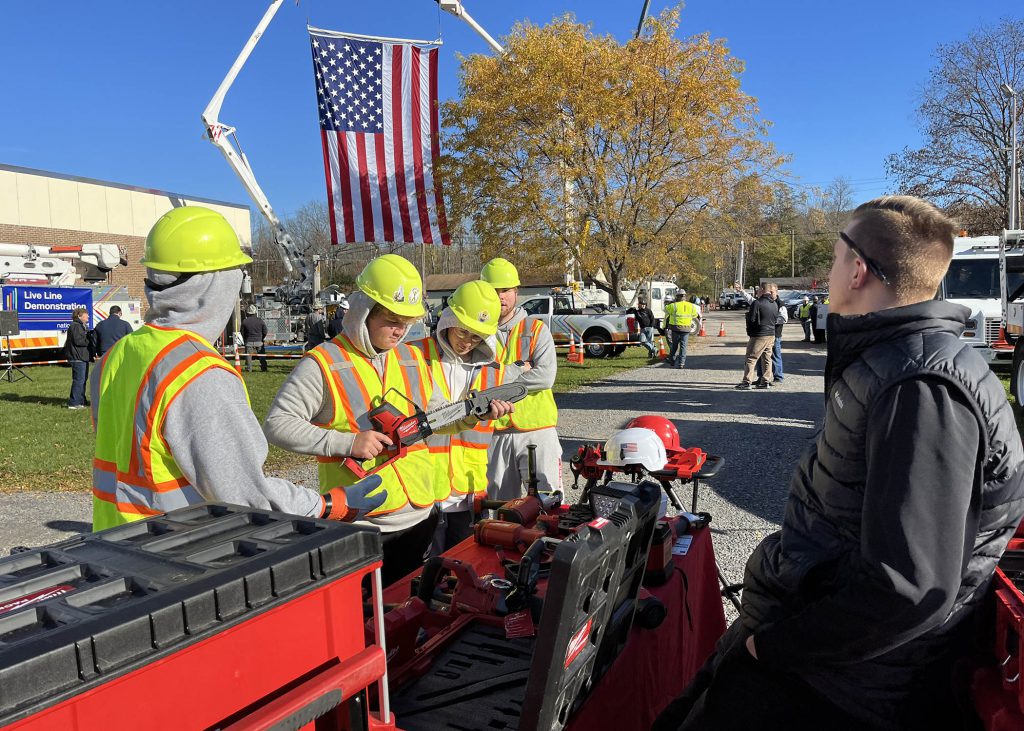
column 822, row 524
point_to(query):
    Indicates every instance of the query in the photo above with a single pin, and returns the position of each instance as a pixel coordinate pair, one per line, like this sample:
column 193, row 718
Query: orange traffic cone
column 571, row 357
column 579, row 353
column 721, row 331
column 662, row 354
column 702, row 333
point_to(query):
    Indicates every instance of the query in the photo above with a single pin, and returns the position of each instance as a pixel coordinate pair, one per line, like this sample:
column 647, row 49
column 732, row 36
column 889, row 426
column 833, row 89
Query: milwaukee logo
column 578, row 642
column 838, row 398
column 38, row 596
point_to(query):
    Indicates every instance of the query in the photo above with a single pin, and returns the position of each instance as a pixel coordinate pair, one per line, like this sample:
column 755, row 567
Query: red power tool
column 404, row 430
column 504, row 534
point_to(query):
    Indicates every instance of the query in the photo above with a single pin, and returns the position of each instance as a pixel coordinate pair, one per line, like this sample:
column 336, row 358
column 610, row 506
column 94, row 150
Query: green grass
column 1018, row 413
column 44, row 446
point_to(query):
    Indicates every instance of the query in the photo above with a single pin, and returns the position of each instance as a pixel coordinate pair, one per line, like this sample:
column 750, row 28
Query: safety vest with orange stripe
column 354, row 388
column 538, row 409
column 460, row 459
column 134, row 472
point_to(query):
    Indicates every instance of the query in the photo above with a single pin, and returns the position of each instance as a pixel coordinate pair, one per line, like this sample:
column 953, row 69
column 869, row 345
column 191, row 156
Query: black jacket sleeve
column 918, row 527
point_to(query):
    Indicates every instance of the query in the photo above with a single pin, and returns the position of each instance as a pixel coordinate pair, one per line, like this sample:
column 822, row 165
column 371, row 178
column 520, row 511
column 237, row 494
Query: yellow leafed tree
column 642, row 140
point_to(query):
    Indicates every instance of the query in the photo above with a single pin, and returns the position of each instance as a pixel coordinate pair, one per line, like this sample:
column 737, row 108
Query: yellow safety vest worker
column 460, row 460
column 805, row 311
column 537, row 410
column 355, row 388
column 134, row 474
column 680, row 314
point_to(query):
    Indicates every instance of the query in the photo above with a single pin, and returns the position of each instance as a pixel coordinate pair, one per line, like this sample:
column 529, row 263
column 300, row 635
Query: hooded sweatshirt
column 304, row 399
column 544, row 365
column 459, row 373
column 210, row 428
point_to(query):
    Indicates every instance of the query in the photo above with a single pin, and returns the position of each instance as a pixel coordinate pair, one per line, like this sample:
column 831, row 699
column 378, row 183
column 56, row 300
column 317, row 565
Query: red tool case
column 209, row 617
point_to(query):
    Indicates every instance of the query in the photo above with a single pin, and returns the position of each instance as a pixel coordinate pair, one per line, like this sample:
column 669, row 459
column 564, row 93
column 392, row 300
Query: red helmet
column 665, row 429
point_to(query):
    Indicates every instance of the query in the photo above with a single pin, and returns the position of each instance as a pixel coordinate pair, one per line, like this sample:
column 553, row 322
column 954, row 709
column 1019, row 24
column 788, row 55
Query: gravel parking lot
column 759, row 433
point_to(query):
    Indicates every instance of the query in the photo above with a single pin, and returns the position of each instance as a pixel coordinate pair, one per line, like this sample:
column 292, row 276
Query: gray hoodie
column 459, row 373
column 544, row 365
column 304, row 399
column 214, row 436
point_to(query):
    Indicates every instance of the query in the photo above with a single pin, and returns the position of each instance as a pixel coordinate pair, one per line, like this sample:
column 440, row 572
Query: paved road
column 759, row 433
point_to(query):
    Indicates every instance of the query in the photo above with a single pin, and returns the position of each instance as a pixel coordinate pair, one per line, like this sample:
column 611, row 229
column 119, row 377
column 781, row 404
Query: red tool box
column 523, row 650
column 210, row 617
column 1008, row 582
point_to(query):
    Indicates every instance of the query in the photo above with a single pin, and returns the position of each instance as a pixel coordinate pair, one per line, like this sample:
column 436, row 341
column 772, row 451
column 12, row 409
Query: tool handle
column 480, row 401
column 531, row 469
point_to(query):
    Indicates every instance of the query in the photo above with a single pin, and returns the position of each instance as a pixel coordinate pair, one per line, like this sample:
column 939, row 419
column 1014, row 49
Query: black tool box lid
column 78, row 613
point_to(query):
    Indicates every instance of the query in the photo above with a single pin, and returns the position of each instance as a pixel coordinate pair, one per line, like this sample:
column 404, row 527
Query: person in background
column 336, row 324
column 172, row 417
column 780, row 320
column 804, row 313
column 819, row 332
column 316, row 327
column 645, row 324
column 855, row 614
column 760, row 320
column 76, row 351
column 254, row 335
column 109, row 331
column 462, row 356
column 523, row 340
column 322, row 409
column 679, row 317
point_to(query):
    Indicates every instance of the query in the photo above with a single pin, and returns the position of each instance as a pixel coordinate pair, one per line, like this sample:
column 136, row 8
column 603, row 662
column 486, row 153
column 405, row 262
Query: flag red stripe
column 435, row 150
column 382, row 183
column 330, row 186
column 364, row 188
column 396, row 113
column 344, row 165
column 417, row 149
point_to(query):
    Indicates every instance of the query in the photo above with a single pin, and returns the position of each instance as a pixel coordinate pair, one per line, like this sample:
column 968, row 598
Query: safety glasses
column 870, row 263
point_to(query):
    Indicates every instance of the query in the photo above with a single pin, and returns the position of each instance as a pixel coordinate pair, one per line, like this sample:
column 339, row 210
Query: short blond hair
column 910, row 239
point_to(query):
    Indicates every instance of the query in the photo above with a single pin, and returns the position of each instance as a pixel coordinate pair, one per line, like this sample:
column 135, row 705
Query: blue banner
column 46, row 308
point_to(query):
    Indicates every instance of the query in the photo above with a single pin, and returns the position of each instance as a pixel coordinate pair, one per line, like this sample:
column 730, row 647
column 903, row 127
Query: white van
column 973, row 281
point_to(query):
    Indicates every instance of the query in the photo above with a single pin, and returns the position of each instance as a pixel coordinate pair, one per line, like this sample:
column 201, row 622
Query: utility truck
column 1011, row 288
column 603, row 331
column 43, row 286
column 973, row 280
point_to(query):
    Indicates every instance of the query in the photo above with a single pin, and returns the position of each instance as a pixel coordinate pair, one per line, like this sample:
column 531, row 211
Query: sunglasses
column 870, row 263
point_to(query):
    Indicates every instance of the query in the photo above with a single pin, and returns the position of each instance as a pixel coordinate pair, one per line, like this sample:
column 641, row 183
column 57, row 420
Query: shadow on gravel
column 69, row 526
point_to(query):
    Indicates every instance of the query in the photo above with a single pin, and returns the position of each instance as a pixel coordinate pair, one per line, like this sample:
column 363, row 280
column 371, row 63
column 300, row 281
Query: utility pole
column 643, row 18
column 792, row 253
column 1013, row 212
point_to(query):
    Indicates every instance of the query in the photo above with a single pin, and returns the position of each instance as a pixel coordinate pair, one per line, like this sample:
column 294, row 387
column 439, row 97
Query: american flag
column 377, row 103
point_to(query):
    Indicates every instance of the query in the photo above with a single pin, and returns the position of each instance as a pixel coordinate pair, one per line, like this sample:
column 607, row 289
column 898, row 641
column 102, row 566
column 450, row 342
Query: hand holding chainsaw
column 395, row 431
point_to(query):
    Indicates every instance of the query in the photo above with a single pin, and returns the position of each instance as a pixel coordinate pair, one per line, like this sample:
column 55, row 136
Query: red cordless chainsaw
column 405, row 430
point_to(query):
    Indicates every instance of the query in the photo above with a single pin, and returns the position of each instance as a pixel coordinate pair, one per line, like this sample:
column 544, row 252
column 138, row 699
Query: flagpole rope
column 382, row 39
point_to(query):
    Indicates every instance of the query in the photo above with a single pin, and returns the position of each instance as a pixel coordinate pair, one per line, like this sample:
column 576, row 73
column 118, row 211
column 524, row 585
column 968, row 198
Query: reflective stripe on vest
column 680, row 314
column 460, row 460
column 355, row 387
column 537, row 410
column 134, row 472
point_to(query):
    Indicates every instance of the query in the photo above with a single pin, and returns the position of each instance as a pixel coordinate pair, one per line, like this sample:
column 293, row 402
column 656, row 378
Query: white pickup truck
column 604, row 331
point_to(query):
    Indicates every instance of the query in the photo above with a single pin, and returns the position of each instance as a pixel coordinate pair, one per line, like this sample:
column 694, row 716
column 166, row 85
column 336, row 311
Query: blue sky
column 114, row 89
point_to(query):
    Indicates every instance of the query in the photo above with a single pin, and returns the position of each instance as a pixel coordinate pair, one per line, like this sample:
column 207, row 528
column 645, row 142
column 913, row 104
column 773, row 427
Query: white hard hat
column 344, row 304
column 635, row 447
column 251, row 309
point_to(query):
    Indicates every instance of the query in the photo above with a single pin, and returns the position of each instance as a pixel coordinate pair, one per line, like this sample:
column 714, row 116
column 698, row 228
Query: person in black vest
column 855, row 613
column 109, row 331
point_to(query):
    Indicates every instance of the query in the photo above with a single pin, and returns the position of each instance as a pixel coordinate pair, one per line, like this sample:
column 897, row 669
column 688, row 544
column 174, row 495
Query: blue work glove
column 353, row 503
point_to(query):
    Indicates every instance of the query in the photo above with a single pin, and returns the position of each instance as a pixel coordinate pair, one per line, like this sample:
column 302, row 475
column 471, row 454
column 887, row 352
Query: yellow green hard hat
column 500, row 274
column 394, row 283
column 193, row 239
column 477, row 307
